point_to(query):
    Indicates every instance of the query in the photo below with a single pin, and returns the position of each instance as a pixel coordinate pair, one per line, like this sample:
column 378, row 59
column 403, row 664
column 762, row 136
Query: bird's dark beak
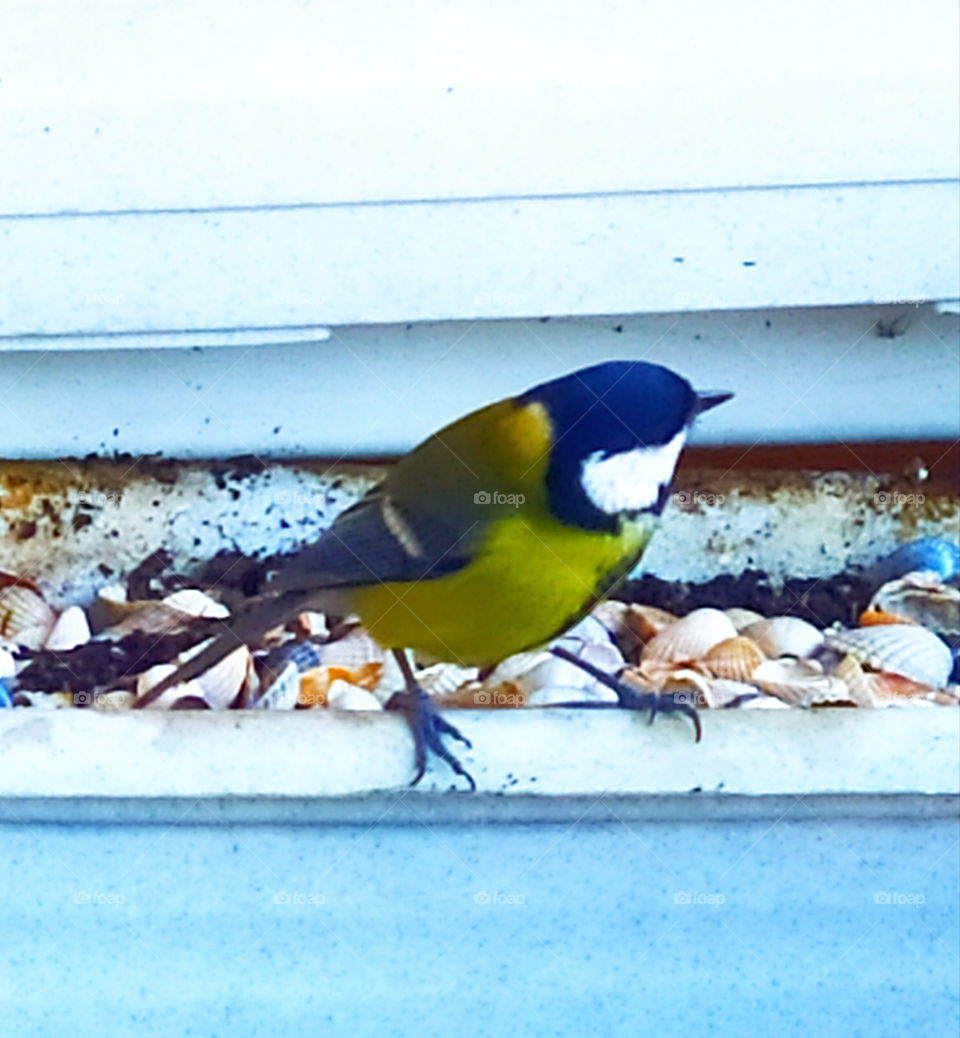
column 711, row 398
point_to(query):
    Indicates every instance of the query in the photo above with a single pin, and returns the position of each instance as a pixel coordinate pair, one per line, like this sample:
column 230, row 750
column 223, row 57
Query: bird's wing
column 430, row 515
column 378, row 540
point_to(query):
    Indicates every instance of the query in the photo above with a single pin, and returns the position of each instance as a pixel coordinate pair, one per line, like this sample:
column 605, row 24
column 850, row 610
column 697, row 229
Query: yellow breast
column 533, row 579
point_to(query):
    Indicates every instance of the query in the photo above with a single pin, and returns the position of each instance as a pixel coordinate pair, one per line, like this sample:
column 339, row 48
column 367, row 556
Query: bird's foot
column 629, row 697
column 429, row 728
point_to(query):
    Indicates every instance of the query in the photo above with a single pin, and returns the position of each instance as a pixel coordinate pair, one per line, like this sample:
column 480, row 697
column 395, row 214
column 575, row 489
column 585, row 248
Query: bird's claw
column 429, row 727
column 658, row 703
column 629, row 698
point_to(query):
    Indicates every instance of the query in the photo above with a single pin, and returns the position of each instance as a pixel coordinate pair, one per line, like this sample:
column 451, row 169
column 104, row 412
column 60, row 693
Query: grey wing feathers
column 377, row 541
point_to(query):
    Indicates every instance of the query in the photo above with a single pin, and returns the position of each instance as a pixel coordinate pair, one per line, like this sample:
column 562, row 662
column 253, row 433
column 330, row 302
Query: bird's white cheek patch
column 631, row 481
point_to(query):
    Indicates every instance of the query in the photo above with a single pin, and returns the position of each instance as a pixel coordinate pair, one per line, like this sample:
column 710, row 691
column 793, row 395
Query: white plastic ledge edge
column 82, row 755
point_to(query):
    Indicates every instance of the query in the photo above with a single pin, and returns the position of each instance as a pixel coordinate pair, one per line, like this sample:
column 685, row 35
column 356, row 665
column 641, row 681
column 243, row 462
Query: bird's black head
column 618, row 429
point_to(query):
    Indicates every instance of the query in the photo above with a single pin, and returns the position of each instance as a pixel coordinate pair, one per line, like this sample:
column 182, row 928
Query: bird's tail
column 245, row 628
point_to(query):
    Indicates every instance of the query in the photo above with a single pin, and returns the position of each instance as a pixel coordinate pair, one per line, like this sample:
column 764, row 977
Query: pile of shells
column 733, row 658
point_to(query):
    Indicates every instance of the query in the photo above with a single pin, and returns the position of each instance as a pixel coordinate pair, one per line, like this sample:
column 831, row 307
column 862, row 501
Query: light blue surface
column 393, row 935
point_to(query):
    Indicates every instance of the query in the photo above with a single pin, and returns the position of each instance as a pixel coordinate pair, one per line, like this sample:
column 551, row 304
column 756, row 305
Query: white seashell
column 743, row 618
column 113, row 593
column 589, row 629
column 25, row 618
column 344, row 696
column 800, row 682
column 548, row 695
column 223, row 681
column 8, row 665
column 545, row 678
column 722, row 692
column 905, row 649
column 591, row 642
column 514, row 667
column 690, row 638
column 314, row 624
column 553, row 675
column 785, row 636
column 284, row 693
column 154, row 676
column 445, row 678
column 922, row 598
column 352, row 651
column 196, row 603
column 70, row 630
column 113, row 702
column 849, row 671
column 764, row 703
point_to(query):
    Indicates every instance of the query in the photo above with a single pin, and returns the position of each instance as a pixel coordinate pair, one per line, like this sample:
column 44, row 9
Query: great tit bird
column 496, row 534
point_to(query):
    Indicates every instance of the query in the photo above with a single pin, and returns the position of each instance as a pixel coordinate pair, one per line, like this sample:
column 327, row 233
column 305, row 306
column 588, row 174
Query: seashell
column 8, row 666
column 800, row 682
column 471, row 696
column 313, row 625
column 632, row 625
column 742, row 618
column 25, row 618
column 905, row 649
column 657, row 674
column 154, row 676
column 920, row 598
column 344, row 696
column 734, row 658
column 314, row 687
column 890, row 688
column 114, row 702
column 785, row 636
column 109, row 607
column 70, row 630
column 284, row 693
column 218, row 687
column 148, row 678
column 352, row 651
column 196, row 603
column 762, row 702
column 878, row 617
column 677, row 680
column 315, row 684
column 724, row 693
column 548, row 679
column 515, row 666
column 221, row 684
column 849, row 671
column 147, row 617
column 551, row 680
column 552, row 694
column 190, row 702
column 443, row 679
column 927, row 553
column 690, row 638
column 589, row 640
column 588, row 630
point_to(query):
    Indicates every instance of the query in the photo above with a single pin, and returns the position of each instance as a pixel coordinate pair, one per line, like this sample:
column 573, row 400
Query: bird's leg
column 628, row 698
column 426, row 723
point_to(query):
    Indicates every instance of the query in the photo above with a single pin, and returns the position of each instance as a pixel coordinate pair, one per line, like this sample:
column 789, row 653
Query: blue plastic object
column 930, row 553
